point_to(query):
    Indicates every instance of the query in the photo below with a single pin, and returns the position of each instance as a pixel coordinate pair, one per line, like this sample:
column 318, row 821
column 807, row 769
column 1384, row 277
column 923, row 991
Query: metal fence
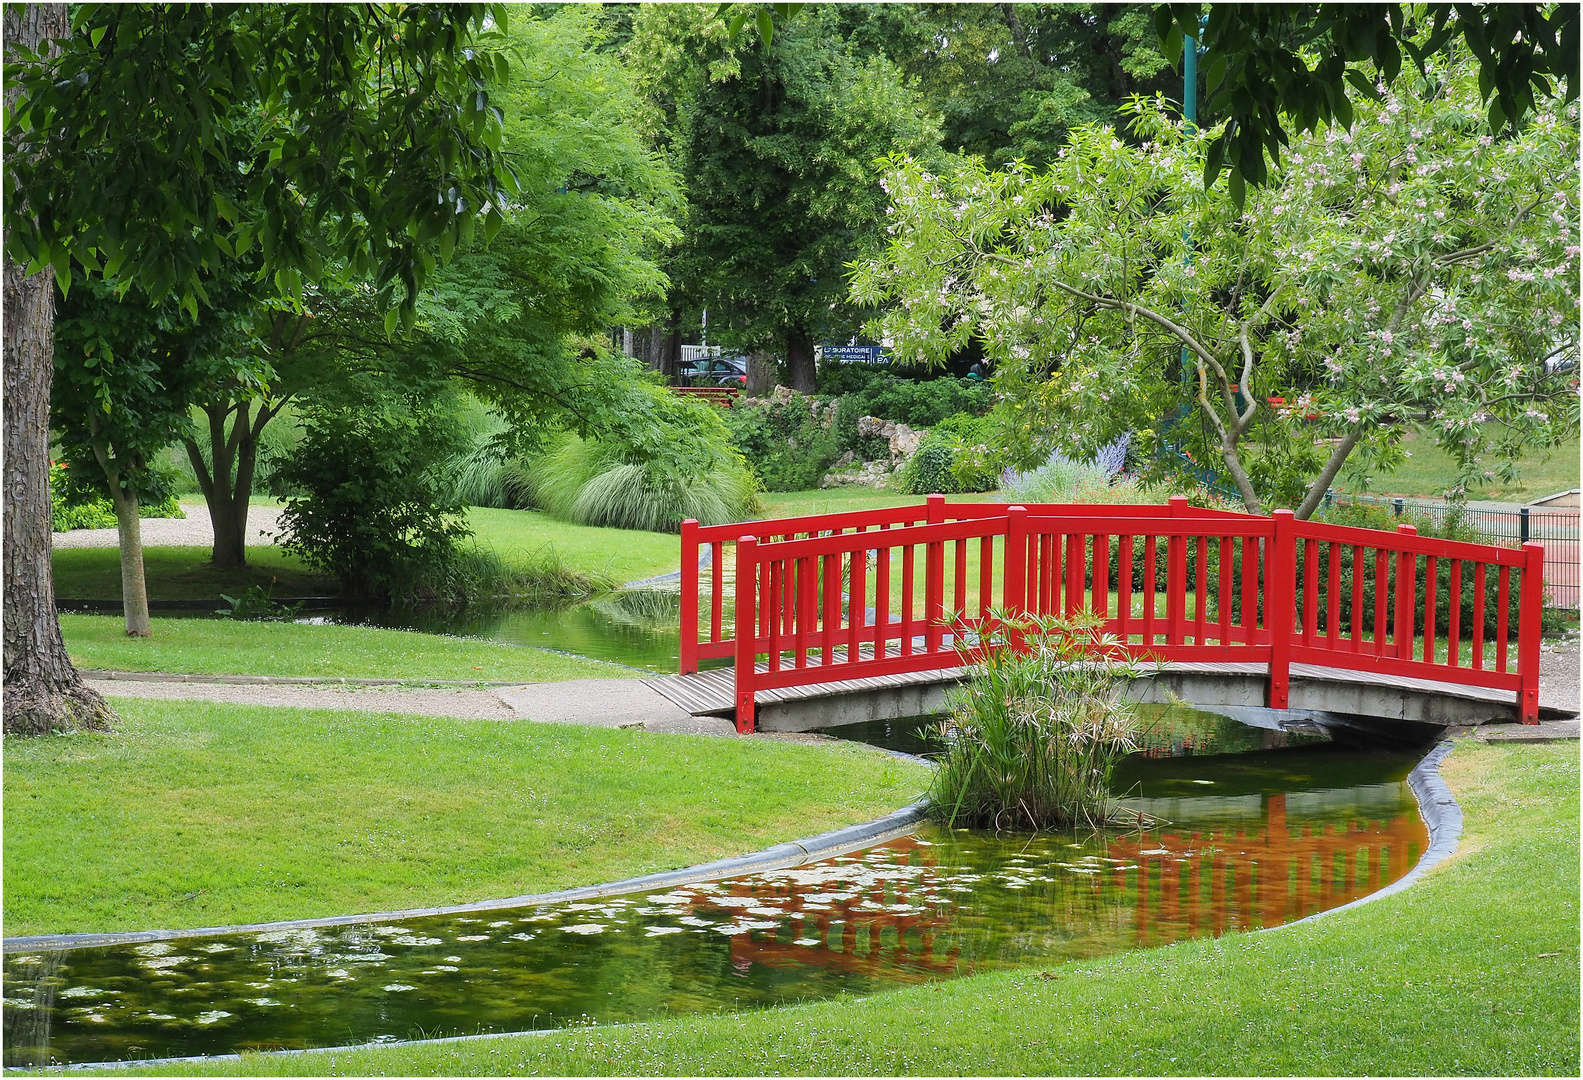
column 1554, row 527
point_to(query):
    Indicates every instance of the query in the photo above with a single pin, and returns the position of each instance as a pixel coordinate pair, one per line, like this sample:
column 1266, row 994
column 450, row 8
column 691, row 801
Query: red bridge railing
column 845, row 596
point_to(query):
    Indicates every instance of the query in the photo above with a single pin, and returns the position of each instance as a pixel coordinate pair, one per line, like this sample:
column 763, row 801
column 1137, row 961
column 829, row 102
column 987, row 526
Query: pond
column 1255, row 827
column 635, row 627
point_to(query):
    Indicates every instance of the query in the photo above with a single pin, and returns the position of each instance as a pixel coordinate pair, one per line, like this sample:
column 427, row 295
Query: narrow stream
column 1259, row 827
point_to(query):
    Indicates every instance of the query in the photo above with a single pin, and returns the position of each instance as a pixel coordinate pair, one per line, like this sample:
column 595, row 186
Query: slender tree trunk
column 799, row 359
column 228, row 495
column 43, row 692
column 134, row 585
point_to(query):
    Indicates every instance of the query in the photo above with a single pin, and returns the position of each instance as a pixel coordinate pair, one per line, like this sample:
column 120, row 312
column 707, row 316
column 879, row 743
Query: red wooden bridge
column 837, row 598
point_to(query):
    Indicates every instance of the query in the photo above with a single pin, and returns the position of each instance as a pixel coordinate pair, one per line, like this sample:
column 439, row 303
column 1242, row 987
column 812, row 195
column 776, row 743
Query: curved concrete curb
column 795, row 853
column 1440, row 811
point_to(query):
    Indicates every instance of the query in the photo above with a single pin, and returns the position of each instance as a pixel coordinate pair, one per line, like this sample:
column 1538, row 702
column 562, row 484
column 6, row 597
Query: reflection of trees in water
column 1177, row 731
column 27, row 1026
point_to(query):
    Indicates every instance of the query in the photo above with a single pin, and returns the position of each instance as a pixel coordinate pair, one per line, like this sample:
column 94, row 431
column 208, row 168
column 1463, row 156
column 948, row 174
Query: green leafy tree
column 362, row 134
column 1413, row 264
column 591, row 217
column 775, row 144
column 1268, row 66
column 125, row 378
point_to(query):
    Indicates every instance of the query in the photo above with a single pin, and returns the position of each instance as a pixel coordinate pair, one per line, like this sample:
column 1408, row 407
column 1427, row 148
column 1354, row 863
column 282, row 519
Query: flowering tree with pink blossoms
column 1413, row 269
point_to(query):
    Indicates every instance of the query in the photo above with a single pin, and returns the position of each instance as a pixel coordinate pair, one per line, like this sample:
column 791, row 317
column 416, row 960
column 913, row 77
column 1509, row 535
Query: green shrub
column 951, row 459
column 587, row 483
column 1034, row 734
column 373, row 508
column 788, row 446
column 75, row 506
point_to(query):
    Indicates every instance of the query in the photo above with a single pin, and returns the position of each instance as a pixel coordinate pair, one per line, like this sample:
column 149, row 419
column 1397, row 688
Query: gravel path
column 462, row 704
column 195, row 530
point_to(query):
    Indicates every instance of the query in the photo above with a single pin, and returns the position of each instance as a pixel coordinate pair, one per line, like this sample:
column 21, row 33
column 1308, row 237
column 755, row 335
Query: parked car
column 716, row 371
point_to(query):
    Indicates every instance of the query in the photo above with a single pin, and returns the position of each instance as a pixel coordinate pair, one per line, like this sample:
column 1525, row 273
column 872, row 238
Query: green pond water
column 1256, row 827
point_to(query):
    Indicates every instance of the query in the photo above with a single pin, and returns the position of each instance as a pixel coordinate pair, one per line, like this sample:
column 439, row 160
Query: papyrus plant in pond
column 1035, row 732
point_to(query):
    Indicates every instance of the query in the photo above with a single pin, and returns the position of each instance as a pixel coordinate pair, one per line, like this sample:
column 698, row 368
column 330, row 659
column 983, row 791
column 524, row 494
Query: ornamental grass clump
column 1036, row 731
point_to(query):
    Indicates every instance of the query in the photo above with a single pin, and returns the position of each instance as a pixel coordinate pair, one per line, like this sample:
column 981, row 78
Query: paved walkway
column 194, row 530
column 633, row 703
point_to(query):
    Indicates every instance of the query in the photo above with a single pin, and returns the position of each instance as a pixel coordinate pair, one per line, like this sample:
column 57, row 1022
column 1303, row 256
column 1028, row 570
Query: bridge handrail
column 1233, row 587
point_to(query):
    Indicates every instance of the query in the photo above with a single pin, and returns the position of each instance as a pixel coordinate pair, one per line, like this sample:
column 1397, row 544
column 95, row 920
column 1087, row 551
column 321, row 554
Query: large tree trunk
column 43, row 692
column 761, row 374
column 799, row 359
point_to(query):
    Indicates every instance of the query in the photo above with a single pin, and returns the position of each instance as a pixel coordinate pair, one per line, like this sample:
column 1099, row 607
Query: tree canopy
column 1412, row 264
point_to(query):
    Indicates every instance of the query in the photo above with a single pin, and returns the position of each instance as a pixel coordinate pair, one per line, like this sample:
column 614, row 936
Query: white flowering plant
column 1410, row 267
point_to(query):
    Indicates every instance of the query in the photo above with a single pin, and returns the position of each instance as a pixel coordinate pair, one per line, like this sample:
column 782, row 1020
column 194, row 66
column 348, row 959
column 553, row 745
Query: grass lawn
column 1472, row 971
column 223, row 647
column 847, row 499
column 184, row 573
column 197, row 814
column 621, row 555
column 1429, row 470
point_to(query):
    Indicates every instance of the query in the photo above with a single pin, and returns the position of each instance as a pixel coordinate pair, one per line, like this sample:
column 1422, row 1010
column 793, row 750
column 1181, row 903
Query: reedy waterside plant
column 1036, row 731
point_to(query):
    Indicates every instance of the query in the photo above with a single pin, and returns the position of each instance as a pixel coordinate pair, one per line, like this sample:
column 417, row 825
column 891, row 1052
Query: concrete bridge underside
column 1217, row 687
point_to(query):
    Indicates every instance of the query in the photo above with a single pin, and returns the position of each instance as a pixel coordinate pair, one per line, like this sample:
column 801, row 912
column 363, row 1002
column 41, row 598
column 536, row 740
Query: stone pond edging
column 795, row 853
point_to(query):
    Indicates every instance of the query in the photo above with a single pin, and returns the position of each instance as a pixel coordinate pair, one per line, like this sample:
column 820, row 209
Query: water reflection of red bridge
column 1175, row 883
column 1195, row 882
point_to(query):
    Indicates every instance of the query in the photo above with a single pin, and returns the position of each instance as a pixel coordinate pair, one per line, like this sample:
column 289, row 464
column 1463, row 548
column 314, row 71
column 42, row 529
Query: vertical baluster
column 1406, row 595
column 1175, row 587
column 1430, row 582
column 773, row 599
column 1048, row 570
column 933, row 594
column 717, row 558
column 1149, row 544
column 1310, row 590
column 1015, row 588
column 1225, row 548
column 881, row 602
column 1250, row 589
column 908, row 558
column 1072, row 593
column 831, row 588
column 1333, row 594
column 986, row 576
column 1200, row 587
column 1478, row 616
column 1099, row 588
column 959, row 582
column 1453, row 634
column 1124, row 588
column 1359, row 568
column 1381, row 587
column 806, row 608
column 1503, row 599
column 857, row 605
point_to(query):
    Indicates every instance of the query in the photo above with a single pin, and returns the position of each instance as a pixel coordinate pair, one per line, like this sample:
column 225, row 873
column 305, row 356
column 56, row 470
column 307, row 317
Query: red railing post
column 934, row 509
column 1529, row 610
column 747, row 630
column 689, row 616
column 1014, row 569
column 1280, row 606
column 1406, row 596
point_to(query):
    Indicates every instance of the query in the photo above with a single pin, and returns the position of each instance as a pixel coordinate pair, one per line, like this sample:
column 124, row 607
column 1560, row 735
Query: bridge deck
column 711, row 693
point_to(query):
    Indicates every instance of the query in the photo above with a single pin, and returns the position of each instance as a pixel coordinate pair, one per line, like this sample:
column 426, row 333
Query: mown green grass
column 184, row 573
column 843, row 500
column 1472, row 971
column 224, row 647
column 198, row 814
column 619, row 554
column 1427, row 472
